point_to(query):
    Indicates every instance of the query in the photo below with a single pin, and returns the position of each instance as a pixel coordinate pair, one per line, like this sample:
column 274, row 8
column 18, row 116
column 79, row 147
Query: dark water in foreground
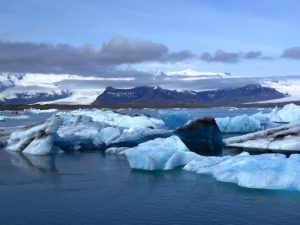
column 90, row 188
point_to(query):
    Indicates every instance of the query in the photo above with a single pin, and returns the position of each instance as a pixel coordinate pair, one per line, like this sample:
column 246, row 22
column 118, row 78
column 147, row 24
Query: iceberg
column 37, row 140
column 247, row 124
column 239, row 124
column 21, row 117
column 284, row 138
column 79, row 125
column 265, row 171
column 116, row 151
column 121, row 120
column 174, row 119
column 289, row 113
column 159, row 154
column 38, row 111
column 77, row 129
column 259, row 121
column 201, row 136
column 107, row 135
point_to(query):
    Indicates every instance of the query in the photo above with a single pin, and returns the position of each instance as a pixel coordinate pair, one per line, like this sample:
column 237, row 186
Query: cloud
column 88, row 59
column 252, row 55
column 220, row 56
column 232, row 57
column 292, row 53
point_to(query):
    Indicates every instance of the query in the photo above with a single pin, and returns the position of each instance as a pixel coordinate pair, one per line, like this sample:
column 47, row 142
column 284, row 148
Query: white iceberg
column 79, row 125
column 121, row 120
column 283, row 138
column 239, row 124
column 37, row 140
column 84, row 128
column 116, row 151
column 38, row 111
column 174, row 119
column 265, row 171
column 107, row 135
column 259, row 121
column 159, row 154
column 289, row 113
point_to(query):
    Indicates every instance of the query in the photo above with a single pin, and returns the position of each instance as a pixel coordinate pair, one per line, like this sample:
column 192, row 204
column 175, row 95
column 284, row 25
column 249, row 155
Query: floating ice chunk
column 131, row 134
column 38, row 111
column 79, row 125
column 259, row 121
column 37, row 140
column 174, row 119
column 120, row 120
column 265, row 171
column 40, row 146
column 116, row 150
column 107, row 135
column 21, row 117
column 159, row 154
column 288, row 113
column 283, row 138
column 239, row 124
column 245, row 123
column 3, row 118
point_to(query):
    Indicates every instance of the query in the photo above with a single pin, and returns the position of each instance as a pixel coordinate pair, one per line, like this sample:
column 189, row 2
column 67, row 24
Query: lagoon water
column 91, row 188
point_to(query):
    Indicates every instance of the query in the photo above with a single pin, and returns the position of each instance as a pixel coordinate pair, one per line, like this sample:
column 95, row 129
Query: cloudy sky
column 132, row 37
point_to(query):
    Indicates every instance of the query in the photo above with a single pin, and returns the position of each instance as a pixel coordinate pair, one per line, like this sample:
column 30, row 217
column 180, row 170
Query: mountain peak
column 158, row 95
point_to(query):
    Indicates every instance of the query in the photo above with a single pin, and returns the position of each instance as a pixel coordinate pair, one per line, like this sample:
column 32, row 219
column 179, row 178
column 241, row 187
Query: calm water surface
column 91, row 188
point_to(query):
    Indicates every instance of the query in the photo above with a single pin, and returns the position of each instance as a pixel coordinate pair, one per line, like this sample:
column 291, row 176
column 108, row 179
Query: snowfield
column 286, row 86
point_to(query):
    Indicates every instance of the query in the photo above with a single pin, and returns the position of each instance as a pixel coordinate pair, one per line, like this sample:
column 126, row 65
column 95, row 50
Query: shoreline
column 142, row 106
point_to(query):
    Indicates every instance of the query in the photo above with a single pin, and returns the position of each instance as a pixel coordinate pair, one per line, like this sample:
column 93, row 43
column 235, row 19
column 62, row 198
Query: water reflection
column 45, row 163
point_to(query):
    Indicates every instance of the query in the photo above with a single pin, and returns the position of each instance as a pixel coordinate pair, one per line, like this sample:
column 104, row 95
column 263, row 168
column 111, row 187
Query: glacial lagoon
column 94, row 188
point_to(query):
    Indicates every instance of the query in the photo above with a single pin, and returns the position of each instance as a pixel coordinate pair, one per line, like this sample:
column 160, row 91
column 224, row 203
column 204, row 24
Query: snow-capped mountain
column 158, row 95
column 27, row 88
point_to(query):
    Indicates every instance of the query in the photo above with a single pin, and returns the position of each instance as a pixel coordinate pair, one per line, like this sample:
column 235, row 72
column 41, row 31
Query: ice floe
column 38, row 111
column 21, row 117
column 265, row 171
column 283, row 138
column 159, row 154
column 37, row 140
column 289, row 113
column 121, row 120
column 259, row 121
column 116, row 151
column 174, row 119
column 244, row 123
column 77, row 131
